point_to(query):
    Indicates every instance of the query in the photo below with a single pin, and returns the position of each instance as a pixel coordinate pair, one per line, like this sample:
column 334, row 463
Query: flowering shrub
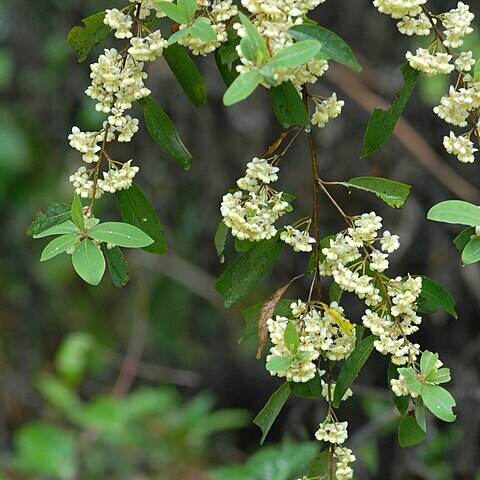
column 274, row 45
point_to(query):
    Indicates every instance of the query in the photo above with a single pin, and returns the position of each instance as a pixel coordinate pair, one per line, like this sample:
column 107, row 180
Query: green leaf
column 333, row 47
column 252, row 314
column 456, row 212
column 471, row 253
column 237, row 281
column 320, row 466
column 55, row 214
column 476, row 73
column 403, row 402
column 440, row 376
column 43, row 449
column 220, row 239
column 409, row 432
column 136, row 210
column 463, row 238
column 78, row 217
column 439, row 402
column 428, row 363
column 89, row 262
column 382, row 122
column 295, row 55
column 311, row 389
column 303, row 356
column 351, row 368
column 59, row 245
column 187, row 74
column 120, row 234
column 420, row 417
column 411, row 379
column 392, row 193
column 243, row 245
column 179, row 34
column 84, row 39
column 117, row 266
column 288, row 105
column 359, row 331
column 242, row 87
column 188, row 7
column 278, row 364
column 174, row 12
column 64, row 228
column 335, row 292
column 91, row 222
column 163, row 132
column 434, row 297
column 290, row 337
column 202, row 28
column 270, row 411
column 253, row 45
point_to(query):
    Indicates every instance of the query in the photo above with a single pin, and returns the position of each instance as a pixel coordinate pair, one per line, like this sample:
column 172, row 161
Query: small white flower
column 465, row 61
column 327, row 110
column 462, row 147
column 389, row 243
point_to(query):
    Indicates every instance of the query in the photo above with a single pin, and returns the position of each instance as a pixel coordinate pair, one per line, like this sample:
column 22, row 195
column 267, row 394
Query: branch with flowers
column 273, row 44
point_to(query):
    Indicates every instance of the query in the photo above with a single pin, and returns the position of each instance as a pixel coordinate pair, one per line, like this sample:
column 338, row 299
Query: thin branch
column 315, row 183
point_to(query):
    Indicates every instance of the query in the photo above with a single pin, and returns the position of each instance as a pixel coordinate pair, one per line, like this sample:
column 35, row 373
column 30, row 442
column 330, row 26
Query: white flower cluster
column 273, row 19
column 117, row 80
column 319, row 335
column 120, row 22
column 118, row 178
column 344, row 456
column 394, row 328
column 457, row 23
column 332, row 432
column 219, row 13
column 399, row 8
column 431, row 63
column 325, row 390
column 462, row 103
column 461, row 146
column 301, row 241
column 420, row 25
column 83, row 183
column 326, row 110
column 392, row 303
column 251, row 212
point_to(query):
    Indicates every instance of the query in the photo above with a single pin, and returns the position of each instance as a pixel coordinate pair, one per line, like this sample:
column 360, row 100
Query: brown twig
column 316, row 182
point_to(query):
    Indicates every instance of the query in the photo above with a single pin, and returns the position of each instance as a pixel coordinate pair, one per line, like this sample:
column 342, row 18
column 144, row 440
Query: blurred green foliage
column 149, row 432
column 75, row 426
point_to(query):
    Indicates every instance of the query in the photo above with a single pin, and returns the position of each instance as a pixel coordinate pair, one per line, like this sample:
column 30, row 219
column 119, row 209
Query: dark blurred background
column 201, row 388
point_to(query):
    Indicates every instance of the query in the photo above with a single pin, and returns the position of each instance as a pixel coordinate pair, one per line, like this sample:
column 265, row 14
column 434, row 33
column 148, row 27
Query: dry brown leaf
column 267, row 311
